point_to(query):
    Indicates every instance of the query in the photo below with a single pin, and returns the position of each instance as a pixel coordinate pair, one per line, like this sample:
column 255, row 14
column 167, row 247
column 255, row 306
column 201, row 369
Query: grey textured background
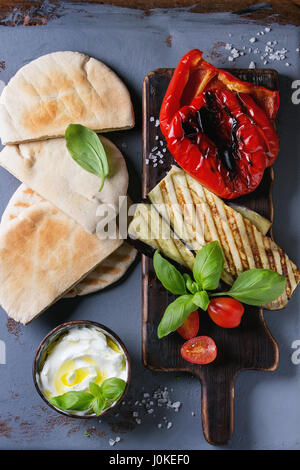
column 267, row 409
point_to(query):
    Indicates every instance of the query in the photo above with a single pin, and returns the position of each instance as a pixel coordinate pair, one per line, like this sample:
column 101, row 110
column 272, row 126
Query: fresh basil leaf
column 73, row 400
column 190, row 284
column 257, row 287
column 175, row 314
column 98, row 404
column 201, row 299
column 87, row 150
column 95, row 389
column 208, row 266
column 113, row 388
column 169, row 276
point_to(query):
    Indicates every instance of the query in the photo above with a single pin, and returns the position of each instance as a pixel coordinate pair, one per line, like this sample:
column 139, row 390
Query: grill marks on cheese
column 208, row 218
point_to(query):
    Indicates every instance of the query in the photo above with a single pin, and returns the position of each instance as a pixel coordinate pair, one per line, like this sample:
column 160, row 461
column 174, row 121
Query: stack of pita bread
column 48, row 242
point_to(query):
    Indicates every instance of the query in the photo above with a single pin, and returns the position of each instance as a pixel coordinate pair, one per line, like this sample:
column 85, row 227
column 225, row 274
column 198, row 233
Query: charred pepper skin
column 219, row 129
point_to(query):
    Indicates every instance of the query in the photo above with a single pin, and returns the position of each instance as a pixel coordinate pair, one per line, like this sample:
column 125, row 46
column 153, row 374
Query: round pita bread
column 58, row 89
column 109, row 271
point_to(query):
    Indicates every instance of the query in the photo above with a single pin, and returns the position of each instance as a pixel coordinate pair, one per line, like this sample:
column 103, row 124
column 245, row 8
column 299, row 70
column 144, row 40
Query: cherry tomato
column 199, row 350
column 226, row 312
column 190, row 327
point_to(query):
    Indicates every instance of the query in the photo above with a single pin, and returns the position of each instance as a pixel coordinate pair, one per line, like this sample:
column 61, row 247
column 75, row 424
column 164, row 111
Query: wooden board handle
column 218, row 408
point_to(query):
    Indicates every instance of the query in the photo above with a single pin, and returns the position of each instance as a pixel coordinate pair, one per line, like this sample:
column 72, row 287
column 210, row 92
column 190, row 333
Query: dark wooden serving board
column 250, row 346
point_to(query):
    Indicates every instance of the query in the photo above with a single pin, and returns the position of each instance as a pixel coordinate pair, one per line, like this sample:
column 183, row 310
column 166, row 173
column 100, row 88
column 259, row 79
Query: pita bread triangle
column 58, row 89
column 43, row 254
column 47, row 167
column 109, row 271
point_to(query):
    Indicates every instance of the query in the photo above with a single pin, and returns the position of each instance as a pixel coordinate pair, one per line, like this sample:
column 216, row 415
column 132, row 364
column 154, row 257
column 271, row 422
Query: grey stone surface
column 267, row 410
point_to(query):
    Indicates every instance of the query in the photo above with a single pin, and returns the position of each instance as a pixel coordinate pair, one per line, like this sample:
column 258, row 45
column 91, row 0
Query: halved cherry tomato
column 226, row 312
column 190, row 327
column 199, row 350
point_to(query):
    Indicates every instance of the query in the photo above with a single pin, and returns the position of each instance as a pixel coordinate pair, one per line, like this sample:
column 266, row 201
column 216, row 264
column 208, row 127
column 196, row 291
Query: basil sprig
column 256, row 287
column 253, row 287
column 87, row 150
column 175, row 314
column 97, row 399
column 208, row 266
column 169, row 276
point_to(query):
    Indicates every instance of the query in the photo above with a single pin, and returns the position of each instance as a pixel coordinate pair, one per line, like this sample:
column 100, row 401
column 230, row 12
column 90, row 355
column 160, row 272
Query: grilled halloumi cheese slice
column 198, row 217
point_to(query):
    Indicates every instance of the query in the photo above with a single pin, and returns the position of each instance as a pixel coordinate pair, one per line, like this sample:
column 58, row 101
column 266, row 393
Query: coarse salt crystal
column 267, row 30
column 230, row 59
column 176, row 404
column 111, row 442
column 252, row 65
column 118, row 439
column 252, row 39
column 157, row 123
column 151, row 119
column 169, row 425
column 228, row 47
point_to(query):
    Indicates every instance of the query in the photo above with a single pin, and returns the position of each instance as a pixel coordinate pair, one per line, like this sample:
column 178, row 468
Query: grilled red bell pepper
column 219, row 128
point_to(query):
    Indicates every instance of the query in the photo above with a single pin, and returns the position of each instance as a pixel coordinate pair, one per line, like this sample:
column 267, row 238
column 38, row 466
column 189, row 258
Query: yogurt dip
column 82, row 355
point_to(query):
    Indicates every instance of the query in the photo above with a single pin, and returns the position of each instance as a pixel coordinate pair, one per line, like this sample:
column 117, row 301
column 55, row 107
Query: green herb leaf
column 87, row 150
column 169, row 276
column 190, row 284
column 113, row 388
column 72, row 400
column 175, row 314
column 95, row 389
column 257, row 287
column 98, row 404
column 201, row 299
column 208, row 266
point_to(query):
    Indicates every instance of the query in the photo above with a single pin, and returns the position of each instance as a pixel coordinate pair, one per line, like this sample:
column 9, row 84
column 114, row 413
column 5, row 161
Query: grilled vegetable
column 261, row 223
column 198, row 217
column 149, row 227
column 218, row 128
